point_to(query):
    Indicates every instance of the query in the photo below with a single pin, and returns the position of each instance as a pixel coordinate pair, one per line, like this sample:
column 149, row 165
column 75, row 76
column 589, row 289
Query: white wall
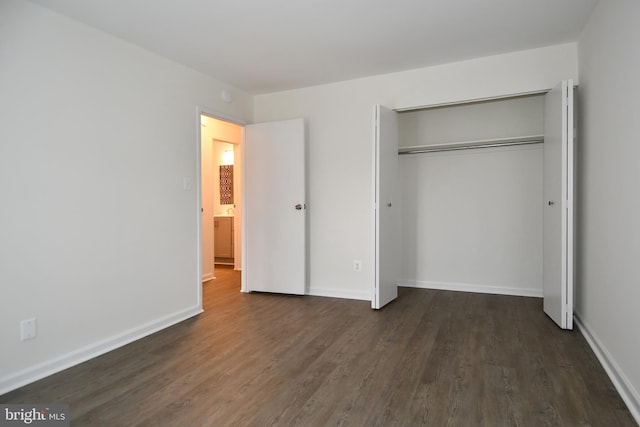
column 504, row 118
column 472, row 220
column 340, row 138
column 608, row 202
column 98, row 238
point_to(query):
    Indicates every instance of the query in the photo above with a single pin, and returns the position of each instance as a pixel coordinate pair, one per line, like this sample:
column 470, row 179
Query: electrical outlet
column 357, row 265
column 28, row 329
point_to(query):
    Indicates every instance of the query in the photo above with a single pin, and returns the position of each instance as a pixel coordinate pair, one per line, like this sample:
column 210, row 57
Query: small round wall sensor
column 226, row 96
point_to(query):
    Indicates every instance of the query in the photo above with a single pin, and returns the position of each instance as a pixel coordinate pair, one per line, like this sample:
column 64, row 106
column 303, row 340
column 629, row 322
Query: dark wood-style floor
column 432, row 358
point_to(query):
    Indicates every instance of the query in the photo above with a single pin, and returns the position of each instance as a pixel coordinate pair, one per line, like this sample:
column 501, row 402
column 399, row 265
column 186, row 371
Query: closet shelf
column 480, row 143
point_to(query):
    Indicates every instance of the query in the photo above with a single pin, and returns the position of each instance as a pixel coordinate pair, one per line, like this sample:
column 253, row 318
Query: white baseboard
column 468, row 287
column 627, row 391
column 339, row 293
column 207, row 277
column 41, row 370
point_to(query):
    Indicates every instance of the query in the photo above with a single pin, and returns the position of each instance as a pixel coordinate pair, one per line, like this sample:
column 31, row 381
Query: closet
column 483, row 196
column 470, row 178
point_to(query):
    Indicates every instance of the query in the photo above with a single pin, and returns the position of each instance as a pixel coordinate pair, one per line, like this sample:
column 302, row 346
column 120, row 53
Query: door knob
column 550, row 202
column 298, row 207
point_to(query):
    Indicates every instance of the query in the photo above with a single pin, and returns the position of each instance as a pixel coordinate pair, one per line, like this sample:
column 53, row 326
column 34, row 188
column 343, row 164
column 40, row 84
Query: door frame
column 204, row 111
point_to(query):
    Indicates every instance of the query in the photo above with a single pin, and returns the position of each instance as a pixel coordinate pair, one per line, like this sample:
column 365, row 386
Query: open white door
column 387, row 227
column 274, row 208
column 558, row 205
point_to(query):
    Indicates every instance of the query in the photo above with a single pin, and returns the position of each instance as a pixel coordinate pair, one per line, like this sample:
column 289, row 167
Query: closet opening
column 470, row 178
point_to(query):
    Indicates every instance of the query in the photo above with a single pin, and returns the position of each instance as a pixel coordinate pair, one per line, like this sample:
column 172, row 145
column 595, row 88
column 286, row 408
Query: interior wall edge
column 620, row 381
column 73, row 358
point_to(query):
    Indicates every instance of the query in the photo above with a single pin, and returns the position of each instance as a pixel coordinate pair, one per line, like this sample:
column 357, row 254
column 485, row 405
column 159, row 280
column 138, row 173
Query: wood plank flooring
column 433, row 358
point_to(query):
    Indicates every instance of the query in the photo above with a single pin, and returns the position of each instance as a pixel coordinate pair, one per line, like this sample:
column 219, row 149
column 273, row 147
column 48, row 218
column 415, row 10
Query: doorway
column 269, row 167
column 221, row 190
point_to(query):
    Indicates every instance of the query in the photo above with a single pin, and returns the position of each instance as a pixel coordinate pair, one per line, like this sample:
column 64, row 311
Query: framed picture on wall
column 226, row 184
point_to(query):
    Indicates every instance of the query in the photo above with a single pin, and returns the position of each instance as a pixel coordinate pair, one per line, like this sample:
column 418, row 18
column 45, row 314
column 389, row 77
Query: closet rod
column 470, row 145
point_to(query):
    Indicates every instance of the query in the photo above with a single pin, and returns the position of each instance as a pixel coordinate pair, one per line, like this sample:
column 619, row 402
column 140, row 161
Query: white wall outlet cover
column 28, row 329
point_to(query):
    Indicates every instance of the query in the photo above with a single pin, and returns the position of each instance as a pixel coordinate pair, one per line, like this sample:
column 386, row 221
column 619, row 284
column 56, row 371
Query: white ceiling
column 263, row 46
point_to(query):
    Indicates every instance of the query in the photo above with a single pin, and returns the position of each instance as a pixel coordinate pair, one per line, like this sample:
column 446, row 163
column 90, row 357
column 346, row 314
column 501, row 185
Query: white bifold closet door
column 558, row 204
column 386, row 198
column 274, row 258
